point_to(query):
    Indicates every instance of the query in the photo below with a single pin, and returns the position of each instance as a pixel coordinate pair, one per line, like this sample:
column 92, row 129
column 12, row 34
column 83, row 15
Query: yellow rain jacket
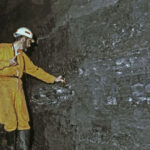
column 13, row 109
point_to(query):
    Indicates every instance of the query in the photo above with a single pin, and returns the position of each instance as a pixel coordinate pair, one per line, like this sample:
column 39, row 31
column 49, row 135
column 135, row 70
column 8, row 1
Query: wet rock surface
column 102, row 49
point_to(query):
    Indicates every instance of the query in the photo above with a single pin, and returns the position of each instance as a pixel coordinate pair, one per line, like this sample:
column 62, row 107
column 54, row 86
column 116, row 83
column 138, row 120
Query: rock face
column 102, row 49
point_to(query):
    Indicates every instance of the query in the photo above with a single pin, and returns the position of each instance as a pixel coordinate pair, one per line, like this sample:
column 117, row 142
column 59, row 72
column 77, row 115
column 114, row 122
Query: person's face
column 26, row 43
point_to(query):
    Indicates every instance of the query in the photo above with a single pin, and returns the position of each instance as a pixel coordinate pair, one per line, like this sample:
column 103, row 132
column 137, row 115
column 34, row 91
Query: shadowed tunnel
column 102, row 49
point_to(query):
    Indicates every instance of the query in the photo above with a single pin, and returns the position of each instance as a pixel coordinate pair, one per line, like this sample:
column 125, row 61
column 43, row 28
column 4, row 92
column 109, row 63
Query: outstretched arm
column 37, row 72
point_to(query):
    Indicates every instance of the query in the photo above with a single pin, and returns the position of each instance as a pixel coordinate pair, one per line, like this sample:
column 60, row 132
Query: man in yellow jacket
column 13, row 63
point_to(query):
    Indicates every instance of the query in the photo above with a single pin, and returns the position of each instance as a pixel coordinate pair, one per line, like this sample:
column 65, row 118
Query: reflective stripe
column 27, row 32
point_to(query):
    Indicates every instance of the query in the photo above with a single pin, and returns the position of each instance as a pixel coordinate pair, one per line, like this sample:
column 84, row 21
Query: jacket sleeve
column 3, row 63
column 37, row 72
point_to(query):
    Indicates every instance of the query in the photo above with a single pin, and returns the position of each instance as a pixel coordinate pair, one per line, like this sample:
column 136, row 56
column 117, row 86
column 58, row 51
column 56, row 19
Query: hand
column 60, row 79
column 13, row 61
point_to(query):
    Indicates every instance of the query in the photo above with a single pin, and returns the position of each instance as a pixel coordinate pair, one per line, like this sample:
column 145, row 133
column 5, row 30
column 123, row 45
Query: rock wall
column 102, row 49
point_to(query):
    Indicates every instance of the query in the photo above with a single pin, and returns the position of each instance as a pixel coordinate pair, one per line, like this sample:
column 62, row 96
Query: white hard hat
column 23, row 31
